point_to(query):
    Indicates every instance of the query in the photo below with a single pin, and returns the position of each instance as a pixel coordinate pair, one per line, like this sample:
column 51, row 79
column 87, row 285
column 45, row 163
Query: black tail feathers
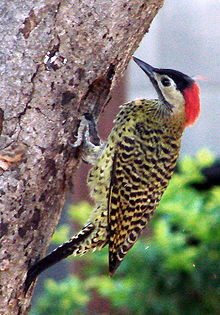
column 57, row 255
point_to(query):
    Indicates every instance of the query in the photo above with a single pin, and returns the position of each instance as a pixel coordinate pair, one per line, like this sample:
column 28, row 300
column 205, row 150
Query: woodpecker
column 132, row 169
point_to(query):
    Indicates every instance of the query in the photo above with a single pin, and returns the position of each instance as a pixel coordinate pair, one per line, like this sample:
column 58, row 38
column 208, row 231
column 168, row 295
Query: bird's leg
column 90, row 150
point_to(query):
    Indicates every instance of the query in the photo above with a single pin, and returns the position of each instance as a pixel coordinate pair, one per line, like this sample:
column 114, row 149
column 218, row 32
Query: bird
column 132, row 169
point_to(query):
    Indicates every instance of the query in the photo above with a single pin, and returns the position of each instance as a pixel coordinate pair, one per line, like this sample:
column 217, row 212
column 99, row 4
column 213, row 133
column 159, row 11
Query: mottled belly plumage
column 127, row 183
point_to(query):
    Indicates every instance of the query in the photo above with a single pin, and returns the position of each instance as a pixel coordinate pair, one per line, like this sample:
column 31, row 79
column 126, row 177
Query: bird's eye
column 166, row 82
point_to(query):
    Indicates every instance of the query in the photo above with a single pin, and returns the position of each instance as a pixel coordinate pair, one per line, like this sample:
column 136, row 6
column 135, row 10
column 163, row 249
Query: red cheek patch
column 192, row 107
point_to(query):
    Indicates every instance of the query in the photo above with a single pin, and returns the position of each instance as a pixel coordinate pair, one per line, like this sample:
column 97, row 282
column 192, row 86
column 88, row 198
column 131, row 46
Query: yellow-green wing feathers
column 130, row 205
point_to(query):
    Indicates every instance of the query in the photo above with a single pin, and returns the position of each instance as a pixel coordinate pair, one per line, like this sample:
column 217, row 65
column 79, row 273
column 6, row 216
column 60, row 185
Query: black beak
column 150, row 72
column 148, row 69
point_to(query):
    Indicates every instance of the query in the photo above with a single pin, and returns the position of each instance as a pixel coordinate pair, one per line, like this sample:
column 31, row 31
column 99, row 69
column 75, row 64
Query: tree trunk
column 58, row 59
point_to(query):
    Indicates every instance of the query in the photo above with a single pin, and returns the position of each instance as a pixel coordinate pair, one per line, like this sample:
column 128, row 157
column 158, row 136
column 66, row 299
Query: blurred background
column 185, row 36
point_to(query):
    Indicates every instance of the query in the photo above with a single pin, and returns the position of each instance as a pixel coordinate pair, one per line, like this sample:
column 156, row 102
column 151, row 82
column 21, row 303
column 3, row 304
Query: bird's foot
column 87, row 129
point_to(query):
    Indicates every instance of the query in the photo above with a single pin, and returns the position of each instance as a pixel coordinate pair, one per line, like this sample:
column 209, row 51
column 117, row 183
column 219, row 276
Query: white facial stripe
column 173, row 96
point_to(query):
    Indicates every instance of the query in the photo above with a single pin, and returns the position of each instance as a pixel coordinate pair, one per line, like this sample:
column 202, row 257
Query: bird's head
column 178, row 92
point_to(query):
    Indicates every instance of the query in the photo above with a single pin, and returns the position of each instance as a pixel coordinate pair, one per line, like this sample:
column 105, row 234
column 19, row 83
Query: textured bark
column 58, row 59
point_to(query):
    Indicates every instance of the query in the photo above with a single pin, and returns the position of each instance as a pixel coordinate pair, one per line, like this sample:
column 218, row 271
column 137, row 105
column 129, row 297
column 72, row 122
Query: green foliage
column 63, row 297
column 80, row 212
column 61, row 234
column 175, row 271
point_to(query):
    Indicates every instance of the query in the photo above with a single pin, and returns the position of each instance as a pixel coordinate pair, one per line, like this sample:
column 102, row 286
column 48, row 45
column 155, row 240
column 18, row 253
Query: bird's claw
column 87, row 128
column 83, row 133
